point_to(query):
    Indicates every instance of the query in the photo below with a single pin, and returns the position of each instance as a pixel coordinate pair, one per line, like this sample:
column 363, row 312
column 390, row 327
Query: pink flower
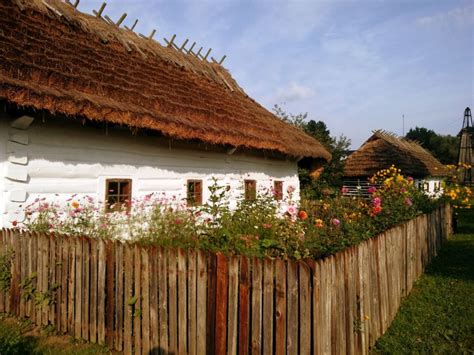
column 377, row 201
column 345, row 190
column 292, row 210
column 335, row 222
column 266, row 225
column 371, row 189
column 408, row 202
column 290, row 189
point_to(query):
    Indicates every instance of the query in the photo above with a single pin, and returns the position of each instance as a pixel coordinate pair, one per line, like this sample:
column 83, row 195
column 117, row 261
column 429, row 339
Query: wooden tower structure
column 466, row 146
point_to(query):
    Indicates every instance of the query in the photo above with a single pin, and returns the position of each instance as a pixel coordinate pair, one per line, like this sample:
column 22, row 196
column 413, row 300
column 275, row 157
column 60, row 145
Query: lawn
column 20, row 337
column 438, row 316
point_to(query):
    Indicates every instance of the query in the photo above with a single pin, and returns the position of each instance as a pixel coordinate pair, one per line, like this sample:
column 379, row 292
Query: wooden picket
column 148, row 300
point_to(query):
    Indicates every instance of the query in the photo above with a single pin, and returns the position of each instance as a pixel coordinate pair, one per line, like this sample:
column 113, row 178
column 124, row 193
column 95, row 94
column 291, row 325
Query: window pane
column 125, row 188
column 194, row 193
column 250, row 189
column 118, row 194
column 278, row 190
column 113, row 188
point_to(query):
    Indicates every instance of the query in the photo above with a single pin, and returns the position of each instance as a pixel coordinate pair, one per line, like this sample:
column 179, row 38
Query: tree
column 331, row 177
column 444, row 148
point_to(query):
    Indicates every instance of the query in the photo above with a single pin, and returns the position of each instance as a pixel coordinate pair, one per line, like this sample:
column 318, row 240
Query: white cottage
column 92, row 109
column 383, row 150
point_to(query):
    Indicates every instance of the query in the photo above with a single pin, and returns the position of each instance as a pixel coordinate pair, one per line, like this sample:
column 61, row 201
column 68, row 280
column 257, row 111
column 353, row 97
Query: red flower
column 14, row 223
column 376, row 210
column 302, row 215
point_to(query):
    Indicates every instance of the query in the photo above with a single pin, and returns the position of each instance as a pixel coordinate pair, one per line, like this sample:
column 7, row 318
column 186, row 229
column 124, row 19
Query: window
column 250, row 190
column 194, row 193
column 118, row 194
column 278, row 190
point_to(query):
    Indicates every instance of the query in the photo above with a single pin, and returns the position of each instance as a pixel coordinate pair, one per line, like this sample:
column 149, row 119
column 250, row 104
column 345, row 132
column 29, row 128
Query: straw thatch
column 55, row 58
column 383, row 149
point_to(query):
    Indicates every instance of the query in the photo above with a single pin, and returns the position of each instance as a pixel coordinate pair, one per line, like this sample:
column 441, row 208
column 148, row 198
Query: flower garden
column 261, row 227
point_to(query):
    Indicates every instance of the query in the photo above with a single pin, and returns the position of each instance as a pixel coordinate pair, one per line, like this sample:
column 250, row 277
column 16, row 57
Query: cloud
column 459, row 16
column 294, row 92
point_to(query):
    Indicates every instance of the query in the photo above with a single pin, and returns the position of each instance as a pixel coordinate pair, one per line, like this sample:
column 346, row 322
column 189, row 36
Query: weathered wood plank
column 145, row 302
column 182, row 303
column 305, row 308
column 154, row 325
column 383, row 284
column 325, row 307
column 78, row 290
column 350, row 300
column 333, row 292
column 201, row 302
column 3, row 232
column 128, row 304
column 137, row 308
column 23, row 269
column 86, row 289
column 71, row 285
column 280, row 307
column 39, row 277
column 221, row 303
column 30, row 271
column 233, row 300
column 256, row 335
column 342, row 309
column 58, row 282
column 292, row 308
column 93, row 291
column 173, row 301
column 16, row 274
column 268, row 280
column 101, row 292
column 109, row 306
column 119, row 296
column 192, row 302
column 211, row 304
column 163, row 300
column 244, row 306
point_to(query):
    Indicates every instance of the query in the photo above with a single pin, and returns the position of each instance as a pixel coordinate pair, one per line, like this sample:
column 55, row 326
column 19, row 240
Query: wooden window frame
column 122, row 199
column 250, row 187
column 278, row 190
column 196, row 198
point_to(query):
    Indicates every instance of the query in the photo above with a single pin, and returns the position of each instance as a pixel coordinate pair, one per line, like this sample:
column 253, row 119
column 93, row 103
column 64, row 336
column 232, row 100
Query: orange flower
column 75, row 204
column 319, row 223
column 302, row 215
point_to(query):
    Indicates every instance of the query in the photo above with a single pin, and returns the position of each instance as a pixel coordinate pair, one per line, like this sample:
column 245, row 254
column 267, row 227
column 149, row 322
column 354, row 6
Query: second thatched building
column 383, row 150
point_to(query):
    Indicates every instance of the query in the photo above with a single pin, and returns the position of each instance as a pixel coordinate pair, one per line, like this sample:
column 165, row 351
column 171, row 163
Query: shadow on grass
column 438, row 317
column 456, row 258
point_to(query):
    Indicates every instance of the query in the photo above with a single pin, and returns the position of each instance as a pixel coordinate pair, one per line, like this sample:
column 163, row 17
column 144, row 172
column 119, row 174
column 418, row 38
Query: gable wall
column 65, row 158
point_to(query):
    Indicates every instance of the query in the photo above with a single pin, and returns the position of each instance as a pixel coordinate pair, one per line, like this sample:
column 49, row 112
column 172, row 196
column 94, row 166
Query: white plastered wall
column 63, row 157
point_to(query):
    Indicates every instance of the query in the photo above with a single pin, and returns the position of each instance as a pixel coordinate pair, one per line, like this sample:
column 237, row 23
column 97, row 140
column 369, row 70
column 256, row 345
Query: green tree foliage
column 444, row 148
column 330, row 179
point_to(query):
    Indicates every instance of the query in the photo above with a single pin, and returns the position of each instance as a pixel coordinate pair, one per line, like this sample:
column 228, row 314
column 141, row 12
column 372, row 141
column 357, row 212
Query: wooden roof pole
column 101, row 9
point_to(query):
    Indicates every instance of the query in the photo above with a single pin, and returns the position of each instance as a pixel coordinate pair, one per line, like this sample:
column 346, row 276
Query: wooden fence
column 146, row 300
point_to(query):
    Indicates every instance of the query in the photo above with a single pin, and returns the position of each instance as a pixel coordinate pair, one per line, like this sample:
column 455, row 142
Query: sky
column 356, row 65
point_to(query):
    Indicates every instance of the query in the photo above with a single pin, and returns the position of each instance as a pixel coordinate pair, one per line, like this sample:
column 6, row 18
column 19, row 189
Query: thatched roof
column 55, row 58
column 383, row 149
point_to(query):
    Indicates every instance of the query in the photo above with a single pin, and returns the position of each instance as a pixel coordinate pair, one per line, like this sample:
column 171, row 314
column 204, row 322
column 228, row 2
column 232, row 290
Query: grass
column 438, row 316
column 20, row 337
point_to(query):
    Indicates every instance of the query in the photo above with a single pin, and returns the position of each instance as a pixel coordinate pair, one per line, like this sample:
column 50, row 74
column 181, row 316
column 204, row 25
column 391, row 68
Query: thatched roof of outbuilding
column 384, row 149
column 55, row 58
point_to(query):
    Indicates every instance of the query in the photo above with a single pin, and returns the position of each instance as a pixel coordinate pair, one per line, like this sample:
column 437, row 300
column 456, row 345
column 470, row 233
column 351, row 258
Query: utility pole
column 403, row 125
